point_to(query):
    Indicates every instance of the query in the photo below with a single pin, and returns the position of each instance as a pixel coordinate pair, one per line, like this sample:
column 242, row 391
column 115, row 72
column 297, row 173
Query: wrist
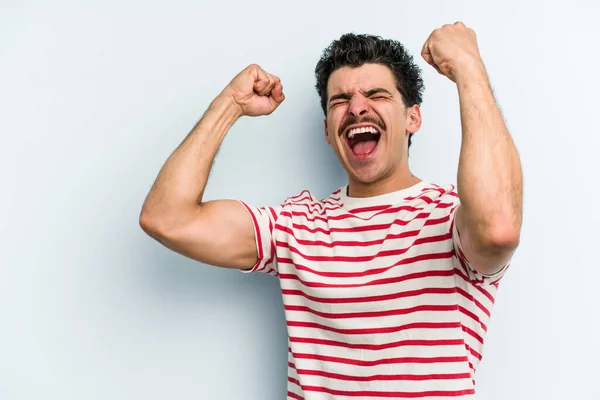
column 226, row 104
column 473, row 74
column 219, row 117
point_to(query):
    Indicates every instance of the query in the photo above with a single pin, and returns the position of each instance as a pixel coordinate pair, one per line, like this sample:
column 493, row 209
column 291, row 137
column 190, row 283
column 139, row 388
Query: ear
column 413, row 119
column 326, row 132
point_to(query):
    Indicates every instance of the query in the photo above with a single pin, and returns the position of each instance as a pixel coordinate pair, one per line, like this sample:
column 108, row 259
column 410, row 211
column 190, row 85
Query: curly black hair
column 354, row 50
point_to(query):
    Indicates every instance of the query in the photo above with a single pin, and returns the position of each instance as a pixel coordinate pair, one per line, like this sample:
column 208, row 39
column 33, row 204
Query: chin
column 365, row 174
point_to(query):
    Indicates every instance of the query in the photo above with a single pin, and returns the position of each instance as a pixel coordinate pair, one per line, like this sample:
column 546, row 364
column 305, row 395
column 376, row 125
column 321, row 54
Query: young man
column 389, row 282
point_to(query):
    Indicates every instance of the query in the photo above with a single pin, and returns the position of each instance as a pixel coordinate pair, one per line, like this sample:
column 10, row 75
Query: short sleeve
column 464, row 265
column 263, row 221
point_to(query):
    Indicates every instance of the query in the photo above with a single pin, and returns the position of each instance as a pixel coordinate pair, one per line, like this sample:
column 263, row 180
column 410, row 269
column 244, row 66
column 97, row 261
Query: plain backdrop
column 95, row 95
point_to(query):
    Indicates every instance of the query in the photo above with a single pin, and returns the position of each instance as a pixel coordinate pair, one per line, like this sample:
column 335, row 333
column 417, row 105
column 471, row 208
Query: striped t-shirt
column 379, row 299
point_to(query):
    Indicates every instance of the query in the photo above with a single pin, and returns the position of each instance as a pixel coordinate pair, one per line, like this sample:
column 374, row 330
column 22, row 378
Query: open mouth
column 362, row 141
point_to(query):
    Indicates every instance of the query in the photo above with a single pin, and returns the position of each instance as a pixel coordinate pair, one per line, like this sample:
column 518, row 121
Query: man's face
column 367, row 123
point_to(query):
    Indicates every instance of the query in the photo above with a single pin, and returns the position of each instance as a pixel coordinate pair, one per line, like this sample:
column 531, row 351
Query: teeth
column 356, row 131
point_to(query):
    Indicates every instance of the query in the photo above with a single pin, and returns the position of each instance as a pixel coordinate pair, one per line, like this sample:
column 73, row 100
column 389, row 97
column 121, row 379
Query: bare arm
column 489, row 181
column 489, row 172
column 218, row 232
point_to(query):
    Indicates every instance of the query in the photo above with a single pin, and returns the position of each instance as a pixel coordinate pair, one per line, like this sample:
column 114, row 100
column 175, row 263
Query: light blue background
column 95, row 95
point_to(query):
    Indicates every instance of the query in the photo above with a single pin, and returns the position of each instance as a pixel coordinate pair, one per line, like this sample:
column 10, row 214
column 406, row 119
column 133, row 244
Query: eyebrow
column 369, row 93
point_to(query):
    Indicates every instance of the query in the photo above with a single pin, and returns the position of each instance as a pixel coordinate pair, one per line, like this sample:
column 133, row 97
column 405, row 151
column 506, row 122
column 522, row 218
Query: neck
column 393, row 182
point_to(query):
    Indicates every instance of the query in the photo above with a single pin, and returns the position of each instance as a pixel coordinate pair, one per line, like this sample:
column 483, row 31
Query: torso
column 376, row 302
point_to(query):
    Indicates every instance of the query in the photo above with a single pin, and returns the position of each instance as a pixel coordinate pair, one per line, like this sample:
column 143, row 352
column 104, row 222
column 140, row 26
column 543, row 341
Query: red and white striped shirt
column 379, row 299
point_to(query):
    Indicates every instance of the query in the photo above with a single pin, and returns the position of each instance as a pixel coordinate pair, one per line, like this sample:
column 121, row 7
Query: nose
column 359, row 106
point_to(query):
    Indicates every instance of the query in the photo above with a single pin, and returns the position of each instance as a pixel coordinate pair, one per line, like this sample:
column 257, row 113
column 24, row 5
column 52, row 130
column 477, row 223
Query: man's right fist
column 255, row 91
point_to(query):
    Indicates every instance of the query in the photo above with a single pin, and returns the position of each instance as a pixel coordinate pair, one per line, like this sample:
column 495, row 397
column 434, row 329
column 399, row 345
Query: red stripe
column 472, row 333
column 376, row 331
column 365, row 243
column 272, row 255
column 473, row 352
column 354, row 243
column 381, row 377
column 317, row 208
column 383, row 346
column 383, row 361
column 472, row 316
column 312, row 218
column 469, row 296
column 467, row 267
column 368, row 228
column 374, row 271
column 273, row 214
column 294, row 380
column 334, row 200
column 436, row 188
column 422, row 197
column 367, row 299
column 391, row 297
column 479, row 288
column 302, row 196
column 376, row 282
column 384, row 207
column 429, row 200
column 294, row 396
column 372, row 314
column 370, row 393
column 381, row 253
column 386, row 313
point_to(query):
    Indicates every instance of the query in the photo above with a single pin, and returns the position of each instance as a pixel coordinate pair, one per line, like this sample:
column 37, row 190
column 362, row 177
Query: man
column 389, row 282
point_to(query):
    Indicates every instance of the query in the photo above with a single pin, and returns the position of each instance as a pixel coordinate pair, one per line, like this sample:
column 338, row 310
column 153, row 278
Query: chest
column 347, row 263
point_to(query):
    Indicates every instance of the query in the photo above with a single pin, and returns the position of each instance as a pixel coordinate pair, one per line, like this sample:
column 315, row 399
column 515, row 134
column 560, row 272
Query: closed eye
column 378, row 94
column 338, row 103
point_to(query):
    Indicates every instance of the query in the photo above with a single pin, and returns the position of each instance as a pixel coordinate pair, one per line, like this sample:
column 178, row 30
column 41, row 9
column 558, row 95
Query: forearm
column 489, row 171
column 182, row 180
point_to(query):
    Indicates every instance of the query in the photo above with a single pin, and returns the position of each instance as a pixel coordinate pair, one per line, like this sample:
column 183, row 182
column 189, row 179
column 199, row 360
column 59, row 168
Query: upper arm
column 219, row 233
column 485, row 257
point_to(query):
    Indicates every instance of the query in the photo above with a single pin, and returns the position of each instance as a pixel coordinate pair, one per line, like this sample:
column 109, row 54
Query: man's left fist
column 452, row 50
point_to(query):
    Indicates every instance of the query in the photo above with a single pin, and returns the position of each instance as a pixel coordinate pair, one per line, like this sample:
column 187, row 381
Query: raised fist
column 452, row 50
column 255, row 91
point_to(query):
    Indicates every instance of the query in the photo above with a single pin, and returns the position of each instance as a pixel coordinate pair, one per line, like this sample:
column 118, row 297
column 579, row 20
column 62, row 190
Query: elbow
column 149, row 223
column 504, row 237
column 502, row 231
column 157, row 225
column 165, row 225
